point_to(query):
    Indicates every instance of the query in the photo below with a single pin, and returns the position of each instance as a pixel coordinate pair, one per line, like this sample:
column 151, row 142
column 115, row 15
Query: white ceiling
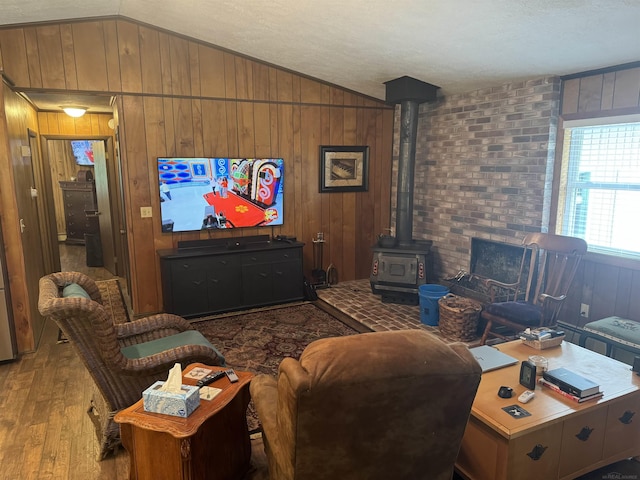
column 459, row 45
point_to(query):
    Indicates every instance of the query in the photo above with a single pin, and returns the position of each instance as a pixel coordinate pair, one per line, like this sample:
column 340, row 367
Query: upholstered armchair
column 383, row 405
column 123, row 359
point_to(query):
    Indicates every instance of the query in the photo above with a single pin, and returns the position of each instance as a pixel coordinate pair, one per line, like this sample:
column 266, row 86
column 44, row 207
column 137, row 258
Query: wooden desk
column 545, row 445
column 212, row 443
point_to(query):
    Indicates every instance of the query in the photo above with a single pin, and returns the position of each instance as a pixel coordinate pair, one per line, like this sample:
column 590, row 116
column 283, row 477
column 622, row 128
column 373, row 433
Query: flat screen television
column 83, row 152
column 220, row 193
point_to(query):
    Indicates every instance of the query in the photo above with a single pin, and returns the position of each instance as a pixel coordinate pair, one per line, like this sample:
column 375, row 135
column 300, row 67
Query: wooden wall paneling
column 623, row 292
column 83, row 125
column 246, row 130
column 590, row 93
column 298, row 171
column 232, row 129
column 604, row 291
column 295, row 88
column 33, row 57
column 386, row 162
column 325, row 198
column 212, row 73
column 214, row 127
column 627, row 88
column 183, row 127
column 128, row 43
column 51, row 62
column 336, row 96
column 570, row 95
column 196, row 119
column 180, row 66
column 229, row 75
column 14, row 56
column 90, row 55
column 111, row 43
column 262, row 127
column 194, row 70
column 165, row 63
column 608, row 88
column 284, row 87
column 350, row 215
column 634, row 299
column 311, row 207
column 586, row 282
column 150, row 61
column 68, row 57
column 244, row 78
column 292, row 172
column 334, row 235
column 310, row 91
column 260, row 81
column 273, row 84
column 138, row 193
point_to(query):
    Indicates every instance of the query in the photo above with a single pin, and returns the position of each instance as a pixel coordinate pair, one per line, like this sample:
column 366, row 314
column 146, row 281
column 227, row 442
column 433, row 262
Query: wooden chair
column 123, row 359
column 534, row 300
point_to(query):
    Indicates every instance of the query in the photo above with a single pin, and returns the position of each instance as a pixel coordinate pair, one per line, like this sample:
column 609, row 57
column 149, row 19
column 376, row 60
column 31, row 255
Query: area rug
column 258, row 341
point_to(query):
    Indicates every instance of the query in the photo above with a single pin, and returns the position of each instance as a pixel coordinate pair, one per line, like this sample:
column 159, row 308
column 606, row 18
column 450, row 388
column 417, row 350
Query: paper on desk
column 207, row 393
column 174, row 381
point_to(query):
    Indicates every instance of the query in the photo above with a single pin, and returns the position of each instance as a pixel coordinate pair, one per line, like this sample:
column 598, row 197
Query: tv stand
column 202, row 277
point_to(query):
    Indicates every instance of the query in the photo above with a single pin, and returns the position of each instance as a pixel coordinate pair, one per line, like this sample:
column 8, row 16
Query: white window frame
column 570, row 184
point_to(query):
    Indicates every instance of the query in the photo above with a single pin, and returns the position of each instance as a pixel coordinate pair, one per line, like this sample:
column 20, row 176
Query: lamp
column 74, row 112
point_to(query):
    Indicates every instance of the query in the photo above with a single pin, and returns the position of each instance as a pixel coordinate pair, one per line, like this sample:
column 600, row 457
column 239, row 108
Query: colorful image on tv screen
column 83, row 151
column 220, row 193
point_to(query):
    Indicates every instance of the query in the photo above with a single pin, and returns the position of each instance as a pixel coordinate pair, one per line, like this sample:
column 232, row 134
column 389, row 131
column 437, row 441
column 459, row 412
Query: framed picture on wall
column 344, row 168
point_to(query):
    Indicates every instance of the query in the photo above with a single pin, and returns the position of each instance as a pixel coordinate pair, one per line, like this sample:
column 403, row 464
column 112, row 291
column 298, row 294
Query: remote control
column 526, row 396
column 212, row 377
column 231, row 375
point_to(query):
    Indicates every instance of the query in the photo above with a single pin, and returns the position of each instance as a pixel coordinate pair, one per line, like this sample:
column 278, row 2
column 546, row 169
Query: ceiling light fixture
column 74, row 112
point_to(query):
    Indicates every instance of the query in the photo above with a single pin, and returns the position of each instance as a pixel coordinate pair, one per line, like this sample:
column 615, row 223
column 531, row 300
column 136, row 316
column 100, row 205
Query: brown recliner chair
column 383, row 405
column 123, row 359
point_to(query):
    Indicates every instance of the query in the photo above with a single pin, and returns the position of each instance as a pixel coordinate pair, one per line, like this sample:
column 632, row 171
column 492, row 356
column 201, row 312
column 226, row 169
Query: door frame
column 115, row 189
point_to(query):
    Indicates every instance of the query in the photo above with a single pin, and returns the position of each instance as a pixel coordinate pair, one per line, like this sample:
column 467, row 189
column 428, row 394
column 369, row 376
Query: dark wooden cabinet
column 201, row 281
column 80, row 208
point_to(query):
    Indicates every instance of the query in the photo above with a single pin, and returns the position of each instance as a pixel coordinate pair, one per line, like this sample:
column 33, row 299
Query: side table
column 212, row 443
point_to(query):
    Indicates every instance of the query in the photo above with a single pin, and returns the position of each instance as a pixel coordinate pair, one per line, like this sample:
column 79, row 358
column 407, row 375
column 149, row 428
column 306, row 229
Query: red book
column 568, row 395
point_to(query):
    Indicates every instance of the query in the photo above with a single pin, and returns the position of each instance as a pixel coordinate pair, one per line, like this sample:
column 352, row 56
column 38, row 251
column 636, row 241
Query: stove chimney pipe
column 410, row 93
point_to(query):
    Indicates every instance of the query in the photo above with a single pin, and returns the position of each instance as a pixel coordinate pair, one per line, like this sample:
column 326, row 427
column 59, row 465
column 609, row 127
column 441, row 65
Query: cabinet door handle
column 536, row 452
column 197, row 282
column 186, row 266
column 223, row 262
column 584, row 434
column 627, row 417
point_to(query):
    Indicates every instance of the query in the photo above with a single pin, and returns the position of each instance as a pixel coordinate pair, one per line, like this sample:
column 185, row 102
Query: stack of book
column 570, row 385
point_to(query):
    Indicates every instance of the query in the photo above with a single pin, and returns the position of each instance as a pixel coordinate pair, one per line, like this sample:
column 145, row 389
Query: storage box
column 176, row 404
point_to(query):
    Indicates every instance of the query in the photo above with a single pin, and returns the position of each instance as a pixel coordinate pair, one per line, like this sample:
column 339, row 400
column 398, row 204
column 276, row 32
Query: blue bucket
column 430, row 293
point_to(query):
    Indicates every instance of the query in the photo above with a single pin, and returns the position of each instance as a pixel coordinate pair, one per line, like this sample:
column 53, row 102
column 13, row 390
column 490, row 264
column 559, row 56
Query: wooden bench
column 614, row 332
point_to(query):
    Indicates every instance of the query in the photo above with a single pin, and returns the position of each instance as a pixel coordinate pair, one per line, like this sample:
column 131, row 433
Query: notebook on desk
column 490, row 358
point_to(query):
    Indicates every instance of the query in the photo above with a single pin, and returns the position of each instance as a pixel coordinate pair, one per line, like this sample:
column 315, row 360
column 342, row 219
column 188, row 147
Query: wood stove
column 401, row 265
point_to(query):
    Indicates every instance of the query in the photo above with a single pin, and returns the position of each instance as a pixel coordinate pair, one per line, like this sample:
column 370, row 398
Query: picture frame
column 344, row 168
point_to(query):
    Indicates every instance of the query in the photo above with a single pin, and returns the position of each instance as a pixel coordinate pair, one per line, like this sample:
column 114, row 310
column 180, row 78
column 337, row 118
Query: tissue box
column 176, row 404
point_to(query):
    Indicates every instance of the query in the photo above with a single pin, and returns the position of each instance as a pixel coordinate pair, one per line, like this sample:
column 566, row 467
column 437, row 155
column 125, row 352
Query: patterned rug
column 258, row 341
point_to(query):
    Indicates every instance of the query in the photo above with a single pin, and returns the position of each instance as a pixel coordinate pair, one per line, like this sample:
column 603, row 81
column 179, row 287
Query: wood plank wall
column 609, row 286
column 181, row 97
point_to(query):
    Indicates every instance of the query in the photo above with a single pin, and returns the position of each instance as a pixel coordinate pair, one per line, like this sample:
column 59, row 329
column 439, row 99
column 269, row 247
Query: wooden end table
column 212, row 443
column 562, row 439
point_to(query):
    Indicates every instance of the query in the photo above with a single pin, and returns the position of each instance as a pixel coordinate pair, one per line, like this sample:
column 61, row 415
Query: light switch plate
column 146, row 212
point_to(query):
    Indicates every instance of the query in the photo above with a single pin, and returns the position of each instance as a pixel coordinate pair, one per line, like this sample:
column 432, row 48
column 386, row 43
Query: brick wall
column 484, row 165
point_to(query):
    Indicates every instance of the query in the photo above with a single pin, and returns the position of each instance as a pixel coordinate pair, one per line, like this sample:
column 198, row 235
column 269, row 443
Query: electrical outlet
column 584, row 310
column 145, row 212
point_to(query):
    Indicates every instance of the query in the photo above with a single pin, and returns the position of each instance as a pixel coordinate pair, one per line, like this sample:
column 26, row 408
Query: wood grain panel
column 14, row 56
column 183, row 127
column 214, row 127
column 196, row 121
column 244, row 78
column 150, row 63
column 33, row 57
column 570, row 95
column 232, row 129
column 311, row 91
column 349, row 201
column 262, row 130
column 51, row 64
column 284, row 86
column 336, row 222
column 165, row 63
column 261, row 82
column 129, row 57
column 229, row 75
column 608, row 88
column 590, row 93
column 111, row 44
column 212, row 76
column 90, row 53
column 246, row 130
column 68, row 57
column 627, row 88
column 311, row 133
column 194, row 69
column 180, row 67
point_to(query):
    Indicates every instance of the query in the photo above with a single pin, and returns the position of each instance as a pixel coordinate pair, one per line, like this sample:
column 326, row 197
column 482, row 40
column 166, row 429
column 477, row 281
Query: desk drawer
column 582, row 440
column 623, row 427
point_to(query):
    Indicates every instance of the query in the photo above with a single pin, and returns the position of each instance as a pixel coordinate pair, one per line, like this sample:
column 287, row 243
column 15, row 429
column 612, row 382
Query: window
column 600, row 186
